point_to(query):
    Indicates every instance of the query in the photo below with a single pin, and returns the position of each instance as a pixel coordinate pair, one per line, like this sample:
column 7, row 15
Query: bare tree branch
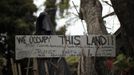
column 107, row 3
column 110, row 14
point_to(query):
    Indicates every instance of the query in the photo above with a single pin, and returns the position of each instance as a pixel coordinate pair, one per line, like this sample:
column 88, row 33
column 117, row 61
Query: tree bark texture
column 92, row 14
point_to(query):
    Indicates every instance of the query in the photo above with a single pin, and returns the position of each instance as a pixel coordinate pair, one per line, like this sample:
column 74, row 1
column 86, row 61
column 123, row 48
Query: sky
column 75, row 25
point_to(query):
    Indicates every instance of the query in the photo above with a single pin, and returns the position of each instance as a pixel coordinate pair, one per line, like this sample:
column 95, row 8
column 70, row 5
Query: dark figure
column 44, row 25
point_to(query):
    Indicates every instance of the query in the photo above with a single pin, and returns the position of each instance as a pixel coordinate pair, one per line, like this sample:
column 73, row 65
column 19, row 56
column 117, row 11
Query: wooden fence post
column 19, row 69
column 14, row 67
column 35, row 67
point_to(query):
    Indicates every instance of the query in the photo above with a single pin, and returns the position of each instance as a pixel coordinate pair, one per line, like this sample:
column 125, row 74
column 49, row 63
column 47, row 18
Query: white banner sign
column 30, row 46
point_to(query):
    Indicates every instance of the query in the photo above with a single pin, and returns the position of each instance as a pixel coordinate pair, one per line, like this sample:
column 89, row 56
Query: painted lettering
column 73, row 40
column 39, row 39
column 21, row 40
column 96, row 40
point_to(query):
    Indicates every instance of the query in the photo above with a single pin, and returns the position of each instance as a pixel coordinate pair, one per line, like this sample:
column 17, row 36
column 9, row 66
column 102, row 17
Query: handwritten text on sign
column 59, row 46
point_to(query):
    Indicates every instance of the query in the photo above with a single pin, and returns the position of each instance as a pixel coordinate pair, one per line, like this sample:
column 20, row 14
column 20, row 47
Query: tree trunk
column 92, row 14
column 124, row 10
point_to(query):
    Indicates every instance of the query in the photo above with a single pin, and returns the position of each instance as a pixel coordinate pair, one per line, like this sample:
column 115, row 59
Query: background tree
column 16, row 17
column 124, row 36
column 124, row 10
column 92, row 14
column 125, row 40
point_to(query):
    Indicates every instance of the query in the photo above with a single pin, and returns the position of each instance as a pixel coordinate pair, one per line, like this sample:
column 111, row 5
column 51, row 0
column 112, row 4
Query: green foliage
column 1, row 61
column 63, row 5
column 61, row 31
column 14, row 14
column 50, row 3
column 123, row 62
column 51, row 9
column 16, row 17
column 120, row 57
column 72, row 60
column 73, row 63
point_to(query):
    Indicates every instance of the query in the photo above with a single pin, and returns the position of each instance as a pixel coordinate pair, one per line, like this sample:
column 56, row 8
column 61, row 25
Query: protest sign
column 40, row 46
